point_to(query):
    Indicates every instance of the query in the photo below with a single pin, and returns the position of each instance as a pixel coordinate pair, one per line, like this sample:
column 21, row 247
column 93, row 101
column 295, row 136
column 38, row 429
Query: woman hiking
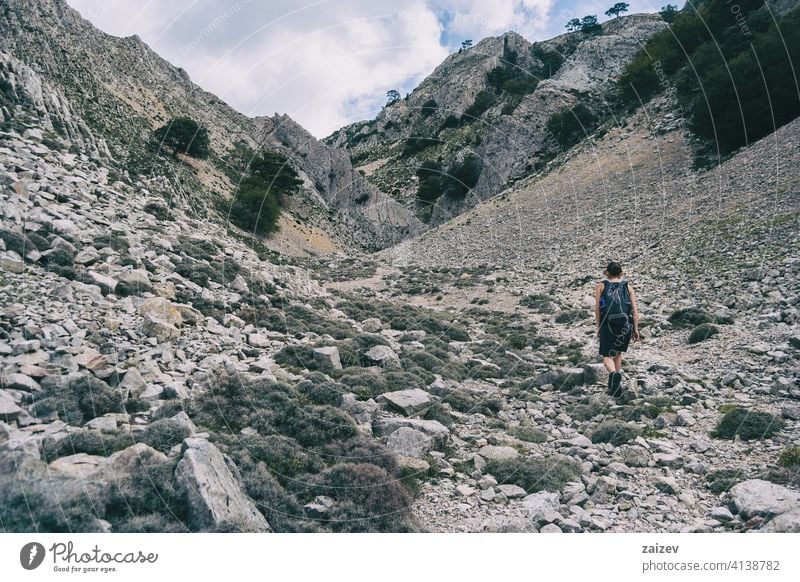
column 617, row 318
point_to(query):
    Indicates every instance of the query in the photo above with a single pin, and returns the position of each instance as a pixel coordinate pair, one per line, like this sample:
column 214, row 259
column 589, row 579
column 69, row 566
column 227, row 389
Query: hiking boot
column 615, row 383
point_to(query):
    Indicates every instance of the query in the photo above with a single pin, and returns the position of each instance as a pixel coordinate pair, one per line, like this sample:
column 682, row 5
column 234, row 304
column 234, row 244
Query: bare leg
column 610, row 363
column 617, row 363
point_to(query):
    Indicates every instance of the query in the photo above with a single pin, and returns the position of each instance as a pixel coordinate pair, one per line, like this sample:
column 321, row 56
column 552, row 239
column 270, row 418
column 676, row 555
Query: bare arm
column 598, row 292
column 634, row 309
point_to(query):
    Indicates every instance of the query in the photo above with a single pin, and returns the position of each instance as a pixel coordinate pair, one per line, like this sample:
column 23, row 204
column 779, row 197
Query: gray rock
column 107, row 284
column 9, row 410
column 132, row 384
column 372, row 325
column 512, row 491
column 498, row 453
column 320, row 507
column 409, row 402
column 328, row 356
column 667, row 485
column 160, row 329
column 595, row 374
column 721, row 513
column 540, row 502
column 788, row 522
column 21, row 382
column 214, row 496
column 382, row 356
column 432, row 428
column 758, row 497
column 551, row 528
column 409, row 443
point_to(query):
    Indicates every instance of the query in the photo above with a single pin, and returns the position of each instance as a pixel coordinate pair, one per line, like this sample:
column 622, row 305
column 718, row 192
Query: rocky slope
column 84, row 82
column 510, row 134
column 160, row 372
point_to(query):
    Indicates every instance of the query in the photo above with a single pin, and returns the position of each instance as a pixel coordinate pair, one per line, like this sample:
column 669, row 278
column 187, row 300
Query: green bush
column 702, row 332
column 82, row 400
column 483, row 101
column 723, row 479
column 790, row 457
column 321, row 391
column 165, row 433
column 614, row 432
column 368, row 499
column 528, row 433
column 361, row 450
column 535, row 473
column 748, row 424
column 429, row 187
column 571, row 125
column 184, row 135
column 17, row 242
column 256, row 206
column 91, row 442
column 462, row 176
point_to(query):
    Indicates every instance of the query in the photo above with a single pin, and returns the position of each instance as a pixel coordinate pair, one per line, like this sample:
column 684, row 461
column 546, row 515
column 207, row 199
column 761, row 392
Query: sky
column 326, row 63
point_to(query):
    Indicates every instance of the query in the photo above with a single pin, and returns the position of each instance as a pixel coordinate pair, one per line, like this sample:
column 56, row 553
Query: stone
column 788, row 522
column 107, row 284
column 382, row 356
column 512, row 491
column 410, row 402
column 182, row 419
column 21, row 382
column 214, row 495
column 80, row 465
column 791, row 411
column 105, row 423
column 132, row 384
column 409, row 442
column 684, row 418
column 756, row 497
column 580, row 440
column 12, row 264
column 595, row 374
column 137, row 281
column 633, row 455
column 87, row 256
column 464, row 490
column 328, row 356
column 672, row 460
column 498, row 453
column 413, row 465
column 161, row 308
column 9, row 410
column 320, row 507
column 721, row 513
column 258, row 340
column 667, row 485
column 540, row 502
column 551, row 528
column 372, row 325
column 159, row 329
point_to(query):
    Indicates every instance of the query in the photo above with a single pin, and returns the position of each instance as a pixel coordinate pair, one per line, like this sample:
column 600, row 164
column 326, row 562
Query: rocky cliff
column 522, row 85
column 86, row 86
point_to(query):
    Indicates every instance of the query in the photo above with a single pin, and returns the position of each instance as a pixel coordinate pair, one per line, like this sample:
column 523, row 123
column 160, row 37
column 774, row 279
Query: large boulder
column 788, row 522
column 328, row 357
column 759, row 497
column 382, row 356
column 160, row 319
column 498, row 453
column 408, row 442
column 132, row 384
column 409, row 402
column 432, row 428
column 214, row 495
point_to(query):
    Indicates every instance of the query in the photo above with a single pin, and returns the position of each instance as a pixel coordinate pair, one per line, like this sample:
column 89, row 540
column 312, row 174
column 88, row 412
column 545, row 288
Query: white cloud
column 324, row 62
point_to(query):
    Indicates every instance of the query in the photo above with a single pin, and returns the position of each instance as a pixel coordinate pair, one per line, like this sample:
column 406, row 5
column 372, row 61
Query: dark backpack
column 615, row 303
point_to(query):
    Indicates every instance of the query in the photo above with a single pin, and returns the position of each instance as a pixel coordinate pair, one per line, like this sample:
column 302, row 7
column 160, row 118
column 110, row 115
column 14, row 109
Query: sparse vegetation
column 748, row 424
column 615, row 432
column 535, row 473
column 183, row 135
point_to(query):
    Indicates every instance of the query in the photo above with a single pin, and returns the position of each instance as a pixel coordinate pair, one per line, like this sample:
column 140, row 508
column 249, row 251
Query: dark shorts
column 614, row 343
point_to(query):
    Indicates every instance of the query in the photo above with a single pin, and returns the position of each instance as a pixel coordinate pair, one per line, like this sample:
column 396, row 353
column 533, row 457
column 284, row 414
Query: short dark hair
column 614, row 268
